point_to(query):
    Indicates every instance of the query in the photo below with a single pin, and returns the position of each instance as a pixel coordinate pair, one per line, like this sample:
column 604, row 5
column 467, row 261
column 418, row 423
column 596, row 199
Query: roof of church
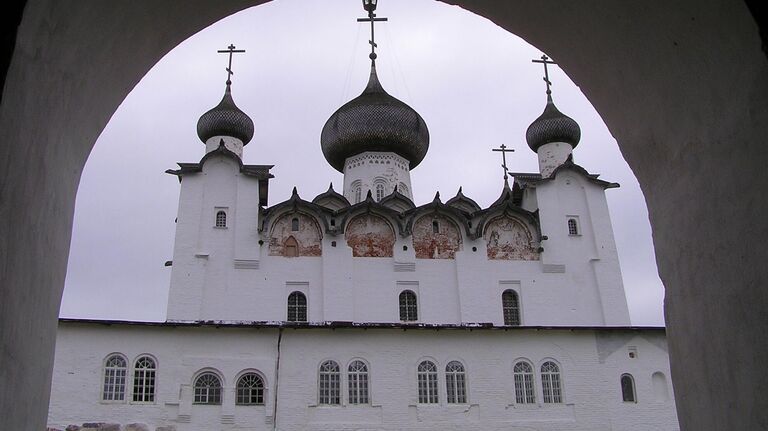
column 225, row 119
column 533, row 178
column 552, row 126
column 374, row 121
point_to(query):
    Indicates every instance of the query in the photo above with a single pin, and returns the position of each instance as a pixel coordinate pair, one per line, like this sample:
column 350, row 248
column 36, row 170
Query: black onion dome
column 374, row 121
column 552, row 126
column 226, row 119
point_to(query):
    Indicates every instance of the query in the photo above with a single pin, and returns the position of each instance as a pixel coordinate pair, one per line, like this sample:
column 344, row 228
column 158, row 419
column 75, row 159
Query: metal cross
column 230, row 50
column 545, row 61
column 372, row 18
column 504, row 151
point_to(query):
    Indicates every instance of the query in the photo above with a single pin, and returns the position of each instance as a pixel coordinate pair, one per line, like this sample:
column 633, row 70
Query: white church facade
column 360, row 310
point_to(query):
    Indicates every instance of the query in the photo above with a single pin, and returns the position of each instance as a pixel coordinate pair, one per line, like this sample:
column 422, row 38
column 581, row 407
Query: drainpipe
column 277, row 379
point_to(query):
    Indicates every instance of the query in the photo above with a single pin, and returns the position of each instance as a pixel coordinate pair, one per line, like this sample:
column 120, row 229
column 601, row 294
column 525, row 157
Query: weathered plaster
column 508, row 238
column 431, row 245
column 370, row 236
column 308, row 236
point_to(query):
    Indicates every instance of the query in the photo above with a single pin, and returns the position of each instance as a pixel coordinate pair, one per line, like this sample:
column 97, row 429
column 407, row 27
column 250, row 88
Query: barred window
column 628, row 388
column 144, row 380
column 511, row 308
column 357, row 379
column 408, row 307
column 573, row 227
column 221, row 219
column 250, row 390
column 115, row 370
column 550, row 382
column 456, row 383
column 524, row 390
column 379, row 192
column 297, row 307
column 207, row 389
column 427, row 379
column 329, row 388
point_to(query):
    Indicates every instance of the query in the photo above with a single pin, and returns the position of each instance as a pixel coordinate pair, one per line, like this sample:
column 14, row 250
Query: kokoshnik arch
column 682, row 88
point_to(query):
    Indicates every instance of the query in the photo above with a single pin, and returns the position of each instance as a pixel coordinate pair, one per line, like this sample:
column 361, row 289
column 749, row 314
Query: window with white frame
column 329, row 383
column 550, row 383
column 573, row 226
column 357, row 381
column 207, row 389
column 380, row 193
column 628, row 393
column 427, row 381
column 456, row 383
column 510, row 304
column 297, row 307
column 408, row 308
column 524, row 389
column 250, row 390
column 115, row 371
column 144, row 373
column 221, row 218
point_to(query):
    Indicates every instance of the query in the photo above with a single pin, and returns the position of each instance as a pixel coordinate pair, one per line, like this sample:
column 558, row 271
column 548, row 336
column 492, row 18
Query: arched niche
column 295, row 234
column 436, row 237
column 508, row 238
column 370, row 235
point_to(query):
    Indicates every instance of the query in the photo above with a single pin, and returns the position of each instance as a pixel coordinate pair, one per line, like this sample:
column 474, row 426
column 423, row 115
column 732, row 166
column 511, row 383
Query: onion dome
column 374, row 121
column 226, row 119
column 552, row 126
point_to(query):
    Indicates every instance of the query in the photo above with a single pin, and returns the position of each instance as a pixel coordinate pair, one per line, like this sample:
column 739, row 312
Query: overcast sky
column 472, row 81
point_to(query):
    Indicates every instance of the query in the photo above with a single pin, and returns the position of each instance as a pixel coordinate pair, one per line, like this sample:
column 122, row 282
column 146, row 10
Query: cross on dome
column 370, row 6
column 545, row 61
column 503, row 149
column 230, row 50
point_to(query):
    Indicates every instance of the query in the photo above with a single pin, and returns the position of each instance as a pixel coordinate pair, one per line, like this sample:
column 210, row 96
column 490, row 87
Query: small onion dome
column 374, row 121
column 552, row 126
column 226, row 119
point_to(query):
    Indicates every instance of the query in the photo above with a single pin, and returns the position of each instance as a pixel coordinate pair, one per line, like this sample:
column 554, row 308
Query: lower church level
column 137, row 376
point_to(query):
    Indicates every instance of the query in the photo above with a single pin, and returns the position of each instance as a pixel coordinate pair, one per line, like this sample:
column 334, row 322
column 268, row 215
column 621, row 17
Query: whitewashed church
column 360, row 310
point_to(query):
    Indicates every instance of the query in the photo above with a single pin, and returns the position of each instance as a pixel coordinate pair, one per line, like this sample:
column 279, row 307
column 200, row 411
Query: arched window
column 660, row 390
column 207, row 389
column 573, row 227
column 144, row 380
column 357, row 379
column 456, row 383
column 221, row 218
column 427, row 379
column 291, row 247
column 115, row 370
column 403, row 189
column 628, row 388
column 379, row 191
column 297, row 307
column 408, row 307
column 524, row 391
column 435, row 226
column 511, row 308
column 295, row 224
column 550, row 382
column 357, row 191
column 250, row 390
column 329, row 388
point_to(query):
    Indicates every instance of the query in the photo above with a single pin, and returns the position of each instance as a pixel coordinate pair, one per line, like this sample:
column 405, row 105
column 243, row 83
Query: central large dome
column 374, row 121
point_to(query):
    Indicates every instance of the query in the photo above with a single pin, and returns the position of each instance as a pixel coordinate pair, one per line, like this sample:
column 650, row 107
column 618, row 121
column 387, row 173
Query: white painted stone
column 366, row 170
column 552, row 155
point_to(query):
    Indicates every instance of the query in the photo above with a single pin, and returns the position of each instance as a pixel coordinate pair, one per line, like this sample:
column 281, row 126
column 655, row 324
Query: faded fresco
column 295, row 234
column 370, row 236
column 507, row 238
column 442, row 244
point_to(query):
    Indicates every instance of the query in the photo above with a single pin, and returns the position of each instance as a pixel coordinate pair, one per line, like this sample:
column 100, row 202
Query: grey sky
column 472, row 81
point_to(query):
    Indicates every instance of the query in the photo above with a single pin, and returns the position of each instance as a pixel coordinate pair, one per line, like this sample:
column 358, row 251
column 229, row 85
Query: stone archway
column 681, row 86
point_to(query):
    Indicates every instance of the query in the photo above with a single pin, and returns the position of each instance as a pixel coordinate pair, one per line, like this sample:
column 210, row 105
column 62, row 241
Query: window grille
column 456, row 383
column 329, row 384
column 511, row 308
column 207, row 389
column 115, row 370
column 427, row 380
column 524, row 391
column 250, row 390
column 295, row 224
column 221, row 219
column 573, row 227
column 379, row 192
column 550, row 382
column 408, row 307
column 357, row 379
column 144, row 380
column 297, row 307
column 628, row 388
